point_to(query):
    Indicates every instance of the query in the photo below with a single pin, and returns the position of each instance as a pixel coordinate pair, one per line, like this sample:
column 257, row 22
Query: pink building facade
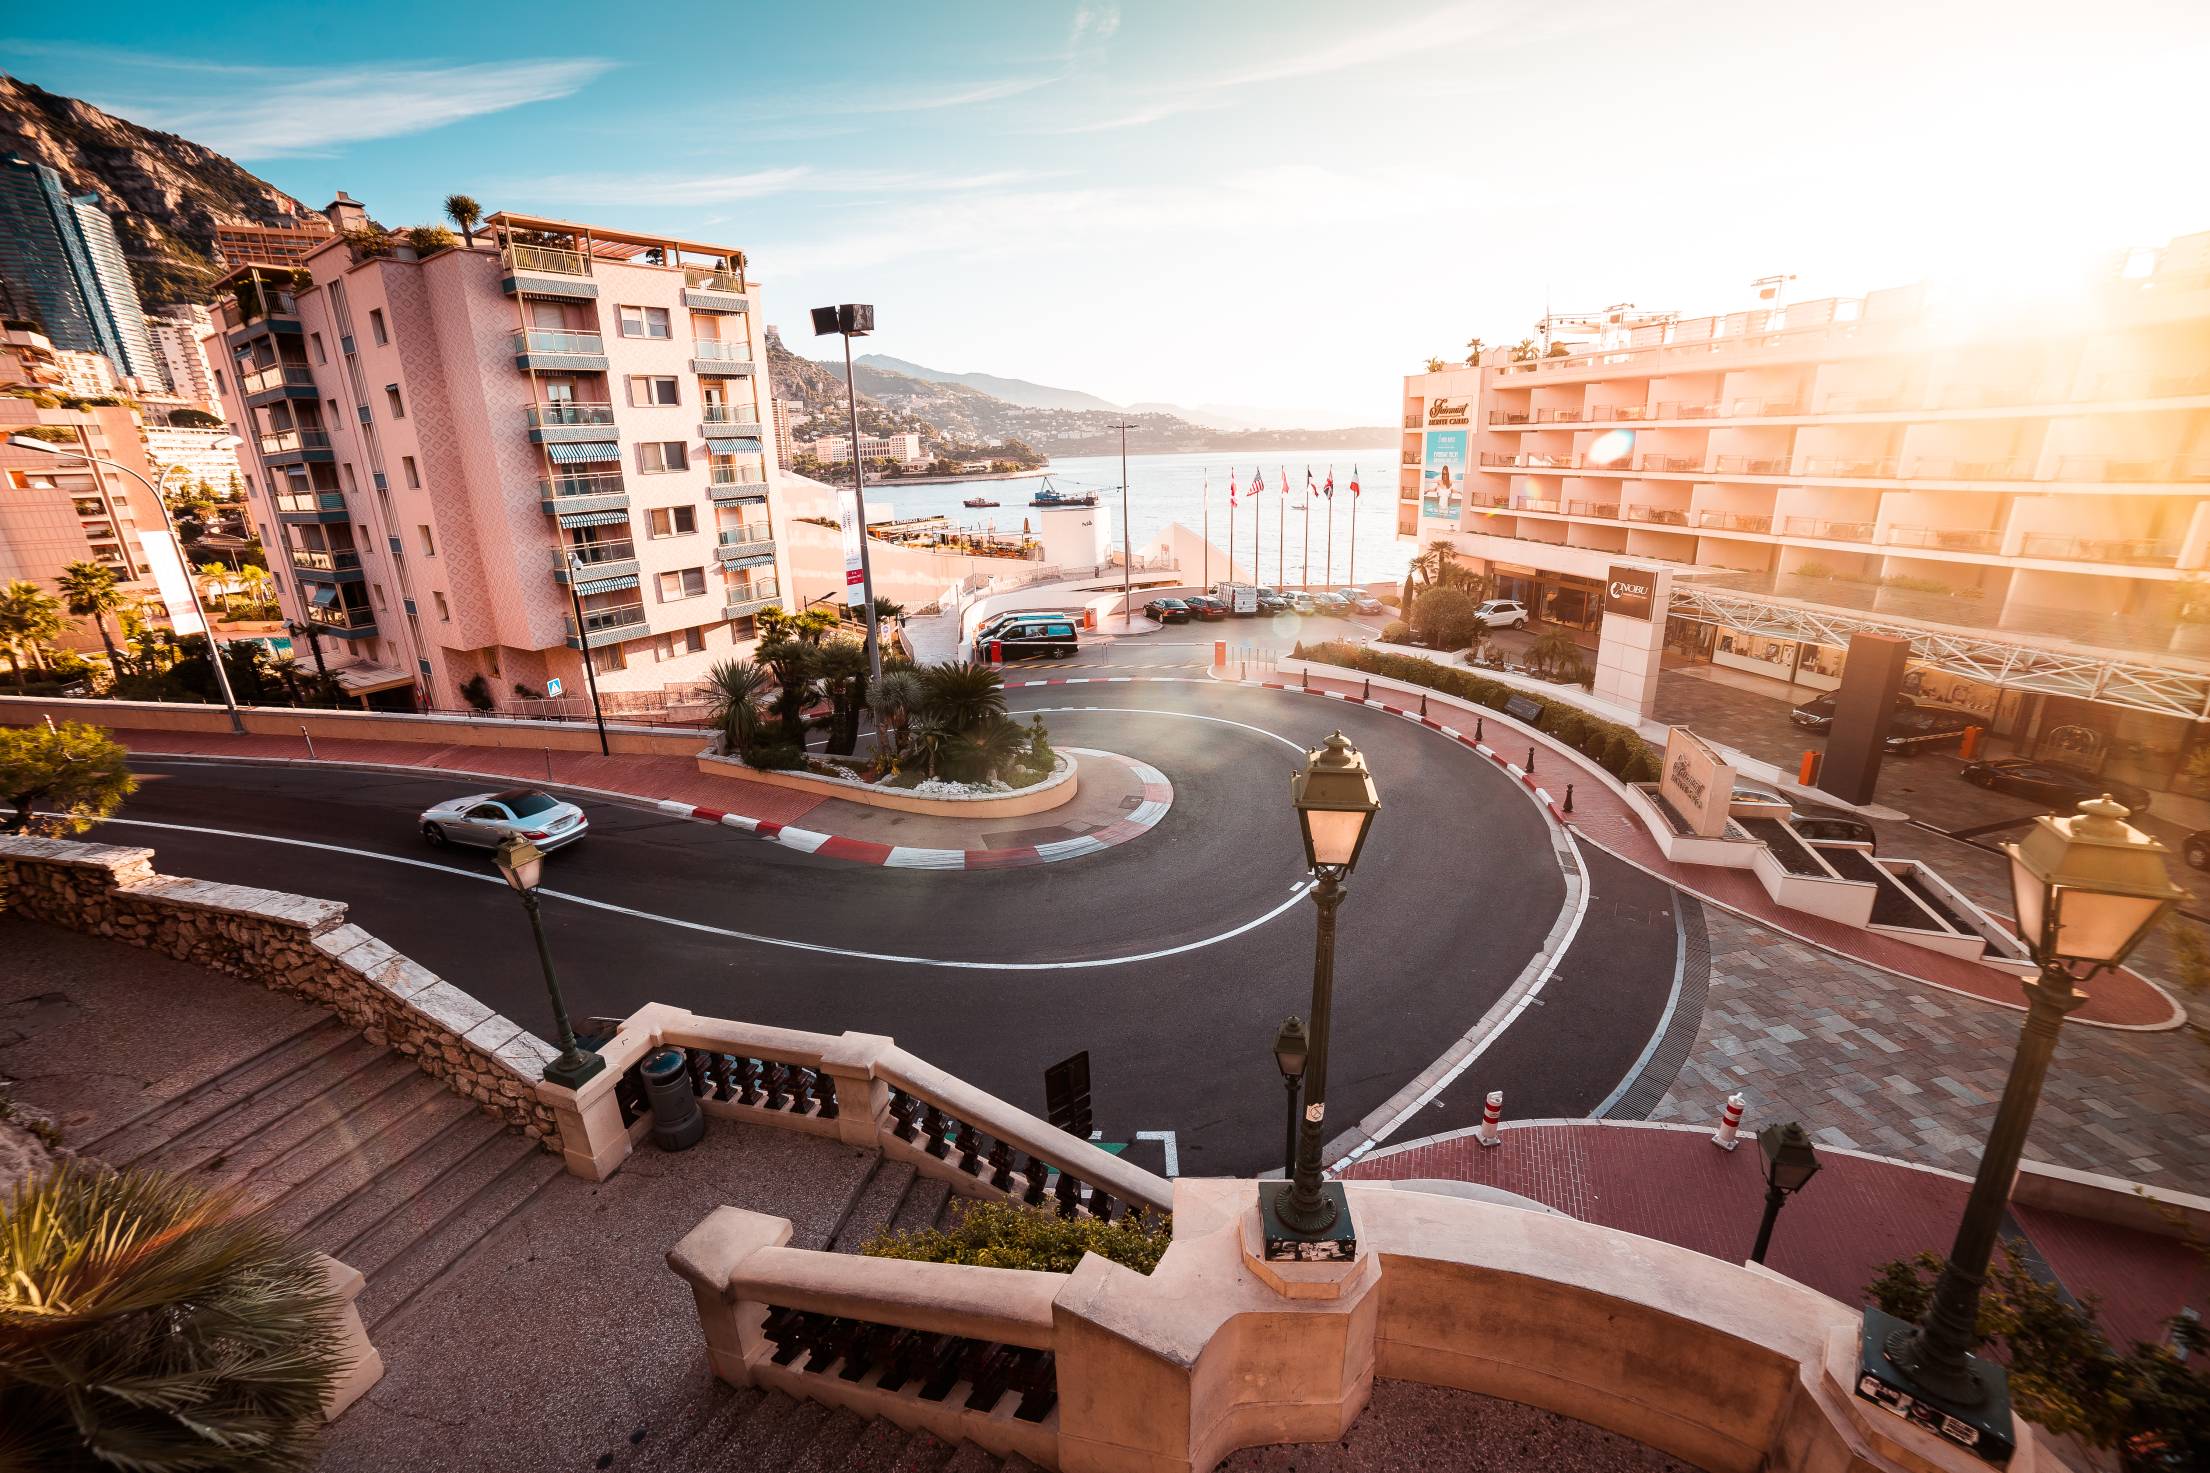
column 449, row 454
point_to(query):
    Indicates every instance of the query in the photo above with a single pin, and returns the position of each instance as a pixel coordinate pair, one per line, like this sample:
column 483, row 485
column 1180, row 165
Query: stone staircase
column 746, row 1427
column 352, row 1148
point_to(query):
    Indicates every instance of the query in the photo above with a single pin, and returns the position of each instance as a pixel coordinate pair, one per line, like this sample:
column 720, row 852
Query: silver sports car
column 489, row 819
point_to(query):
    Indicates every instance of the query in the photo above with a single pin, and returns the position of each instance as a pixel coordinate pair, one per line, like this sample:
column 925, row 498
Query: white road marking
column 1166, row 1139
column 1297, row 747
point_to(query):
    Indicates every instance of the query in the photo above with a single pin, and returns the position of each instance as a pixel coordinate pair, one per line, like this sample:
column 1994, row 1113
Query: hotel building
column 285, row 244
column 65, row 264
column 903, row 448
column 2022, row 496
column 179, row 336
column 448, row 454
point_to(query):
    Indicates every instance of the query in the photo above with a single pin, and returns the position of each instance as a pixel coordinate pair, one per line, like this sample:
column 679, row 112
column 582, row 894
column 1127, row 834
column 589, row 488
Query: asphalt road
column 1172, row 958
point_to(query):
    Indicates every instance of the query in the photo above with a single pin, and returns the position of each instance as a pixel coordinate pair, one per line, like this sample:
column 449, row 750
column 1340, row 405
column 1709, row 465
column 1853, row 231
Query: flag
column 1285, row 480
column 1231, row 488
column 1354, row 481
column 1258, row 482
column 1311, row 486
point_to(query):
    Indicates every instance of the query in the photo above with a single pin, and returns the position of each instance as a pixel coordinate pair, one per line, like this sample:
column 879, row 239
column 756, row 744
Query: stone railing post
column 862, row 1099
column 708, row 1259
column 361, row 1364
column 593, row 1141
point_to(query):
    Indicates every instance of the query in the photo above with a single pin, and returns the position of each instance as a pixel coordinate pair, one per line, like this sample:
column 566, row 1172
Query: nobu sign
column 1629, row 592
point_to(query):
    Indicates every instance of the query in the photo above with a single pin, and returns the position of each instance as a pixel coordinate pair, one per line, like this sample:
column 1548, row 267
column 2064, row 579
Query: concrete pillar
column 862, row 1100
column 1631, row 640
column 707, row 1257
column 593, row 1141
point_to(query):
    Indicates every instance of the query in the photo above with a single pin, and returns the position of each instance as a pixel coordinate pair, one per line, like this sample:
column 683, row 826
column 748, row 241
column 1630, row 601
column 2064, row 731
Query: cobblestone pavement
column 1871, row 1061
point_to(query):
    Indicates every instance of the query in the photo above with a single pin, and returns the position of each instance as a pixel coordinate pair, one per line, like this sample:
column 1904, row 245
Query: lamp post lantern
column 1304, row 1217
column 856, row 320
column 1291, row 1048
column 2088, row 887
column 1789, row 1164
column 521, row 862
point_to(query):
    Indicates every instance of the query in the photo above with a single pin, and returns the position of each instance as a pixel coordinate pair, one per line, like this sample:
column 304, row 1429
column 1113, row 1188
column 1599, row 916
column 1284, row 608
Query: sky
column 1279, row 203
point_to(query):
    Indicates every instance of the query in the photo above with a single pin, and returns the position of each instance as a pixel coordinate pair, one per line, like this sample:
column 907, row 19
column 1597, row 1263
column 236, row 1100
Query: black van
column 1041, row 634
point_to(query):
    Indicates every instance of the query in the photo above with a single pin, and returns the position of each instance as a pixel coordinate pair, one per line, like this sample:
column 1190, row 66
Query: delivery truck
column 1240, row 599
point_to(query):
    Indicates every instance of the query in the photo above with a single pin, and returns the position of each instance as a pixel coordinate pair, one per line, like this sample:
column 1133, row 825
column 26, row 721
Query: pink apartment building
column 447, row 453
column 2023, row 495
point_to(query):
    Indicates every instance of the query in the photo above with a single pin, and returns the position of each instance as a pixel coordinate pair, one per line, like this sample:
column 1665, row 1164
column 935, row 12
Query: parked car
column 2051, row 782
column 995, row 622
column 1330, row 603
column 1362, row 602
column 1923, row 728
column 1167, row 611
column 486, row 820
column 1206, row 607
column 2196, row 849
column 1051, row 635
column 1502, row 613
column 1271, row 601
column 1817, row 714
column 1300, row 602
column 1813, row 820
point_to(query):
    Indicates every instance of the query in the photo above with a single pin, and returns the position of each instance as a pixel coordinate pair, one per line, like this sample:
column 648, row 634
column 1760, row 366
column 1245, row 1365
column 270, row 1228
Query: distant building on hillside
column 787, row 415
column 65, row 266
column 176, row 333
column 193, row 451
column 285, row 244
column 837, row 449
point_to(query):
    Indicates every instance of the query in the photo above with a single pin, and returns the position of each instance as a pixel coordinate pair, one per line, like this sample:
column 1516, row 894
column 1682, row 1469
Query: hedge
column 1619, row 750
column 1012, row 1235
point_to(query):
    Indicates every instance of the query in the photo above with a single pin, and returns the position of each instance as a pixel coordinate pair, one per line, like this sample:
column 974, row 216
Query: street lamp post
column 2088, row 888
column 1290, row 1051
column 191, row 587
column 583, row 638
column 1305, row 1218
column 521, row 861
column 856, row 320
column 1789, row 1164
column 1127, row 557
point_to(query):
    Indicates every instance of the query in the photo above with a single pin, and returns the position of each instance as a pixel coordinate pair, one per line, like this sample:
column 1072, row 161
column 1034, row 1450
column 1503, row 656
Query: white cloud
column 700, row 189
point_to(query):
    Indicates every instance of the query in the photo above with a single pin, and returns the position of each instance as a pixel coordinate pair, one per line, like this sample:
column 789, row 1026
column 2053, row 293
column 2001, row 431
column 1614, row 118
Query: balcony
column 2062, row 547
column 592, row 491
column 1942, row 468
column 296, row 445
column 567, row 422
column 311, row 506
column 743, row 599
column 1849, row 470
column 336, row 618
column 1946, row 539
column 1752, row 465
column 2107, row 468
column 1609, row 510
column 606, row 626
column 735, row 545
column 1830, row 531
column 1660, row 516
column 714, row 291
column 278, row 381
column 559, row 350
column 725, row 491
column 546, row 271
column 709, row 356
column 597, row 567
column 327, row 563
column 1734, row 521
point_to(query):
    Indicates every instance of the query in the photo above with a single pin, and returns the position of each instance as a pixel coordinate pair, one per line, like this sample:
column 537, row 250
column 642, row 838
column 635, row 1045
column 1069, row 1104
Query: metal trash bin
column 677, row 1122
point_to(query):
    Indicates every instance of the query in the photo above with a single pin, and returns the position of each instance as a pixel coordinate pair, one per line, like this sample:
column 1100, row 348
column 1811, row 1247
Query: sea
column 1174, row 488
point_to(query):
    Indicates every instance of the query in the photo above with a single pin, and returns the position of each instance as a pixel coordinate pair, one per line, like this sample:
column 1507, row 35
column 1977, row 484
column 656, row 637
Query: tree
column 464, row 212
column 158, row 1326
column 732, row 700
column 195, row 419
column 1473, row 351
column 1447, row 616
column 1523, row 351
column 75, row 767
column 90, row 591
column 894, row 699
column 214, row 581
column 30, row 617
column 963, row 696
column 841, row 667
column 1554, row 653
column 792, row 660
column 1436, row 365
column 995, row 745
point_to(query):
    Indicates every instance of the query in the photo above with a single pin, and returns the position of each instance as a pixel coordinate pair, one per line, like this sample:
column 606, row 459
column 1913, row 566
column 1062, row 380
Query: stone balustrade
column 294, row 944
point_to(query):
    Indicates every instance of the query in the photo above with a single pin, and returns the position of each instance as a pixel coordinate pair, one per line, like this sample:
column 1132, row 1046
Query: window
column 685, row 583
column 333, row 409
column 414, row 476
column 429, row 547
column 345, row 468
column 683, row 642
column 644, row 322
column 673, row 521
column 378, row 590
column 315, row 339
column 391, row 396
column 662, row 455
column 643, row 390
column 376, row 326
column 219, row 389
column 444, row 611
column 607, row 659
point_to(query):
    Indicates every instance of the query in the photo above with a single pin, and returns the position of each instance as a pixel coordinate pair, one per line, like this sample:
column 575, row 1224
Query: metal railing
column 720, row 350
column 1946, row 539
column 1949, row 468
column 714, row 281
column 1735, row 521
column 1606, row 509
column 277, row 376
column 739, row 599
column 1754, row 465
column 1534, row 503
column 1830, row 530
column 278, row 442
column 738, row 536
column 2146, row 551
column 1663, row 516
column 599, row 621
column 596, row 483
column 568, row 412
column 332, row 560
column 338, row 616
column 307, row 501
column 546, row 260
column 1669, row 463
column 557, row 340
column 733, row 415
column 2109, row 468
column 593, row 554
column 1848, row 469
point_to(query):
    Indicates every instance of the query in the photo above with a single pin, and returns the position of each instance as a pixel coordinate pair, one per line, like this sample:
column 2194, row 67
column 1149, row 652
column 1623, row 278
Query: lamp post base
column 1982, row 1427
column 1338, row 1241
column 573, row 1067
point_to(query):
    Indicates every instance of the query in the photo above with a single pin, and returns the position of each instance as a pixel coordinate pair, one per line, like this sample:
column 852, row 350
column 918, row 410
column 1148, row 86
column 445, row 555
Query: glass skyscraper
column 62, row 260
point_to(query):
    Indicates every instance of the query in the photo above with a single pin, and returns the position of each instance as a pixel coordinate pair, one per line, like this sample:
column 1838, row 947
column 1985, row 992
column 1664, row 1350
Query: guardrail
column 557, row 340
column 568, row 412
column 548, row 260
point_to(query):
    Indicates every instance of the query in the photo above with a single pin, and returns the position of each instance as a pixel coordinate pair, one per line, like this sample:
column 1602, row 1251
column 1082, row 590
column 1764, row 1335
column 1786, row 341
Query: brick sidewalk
column 1673, row 1185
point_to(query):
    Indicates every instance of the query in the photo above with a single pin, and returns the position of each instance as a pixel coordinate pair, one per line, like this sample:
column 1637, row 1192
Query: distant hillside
column 1012, row 390
column 166, row 193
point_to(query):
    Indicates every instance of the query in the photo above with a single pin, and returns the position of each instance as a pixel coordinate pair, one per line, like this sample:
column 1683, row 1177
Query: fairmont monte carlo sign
column 1449, row 411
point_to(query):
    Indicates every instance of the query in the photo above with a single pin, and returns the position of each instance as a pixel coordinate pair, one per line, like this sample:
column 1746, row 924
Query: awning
column 592, row 518
column 757, row 560
column 324, row 596
column 361, row 680
column 590, row 452
column 607, row 585
column 734, row 447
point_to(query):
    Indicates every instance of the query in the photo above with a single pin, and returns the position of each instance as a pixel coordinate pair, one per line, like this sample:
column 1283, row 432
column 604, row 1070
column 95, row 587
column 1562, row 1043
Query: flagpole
column 1207, row 584
column 1307, row 540
column 1331, row 542
column 1231, row 526
column 1281, row 542
column 1255, row 510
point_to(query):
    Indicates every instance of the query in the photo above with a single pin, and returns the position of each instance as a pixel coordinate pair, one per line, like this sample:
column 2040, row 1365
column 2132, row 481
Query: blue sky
column 1279, row 203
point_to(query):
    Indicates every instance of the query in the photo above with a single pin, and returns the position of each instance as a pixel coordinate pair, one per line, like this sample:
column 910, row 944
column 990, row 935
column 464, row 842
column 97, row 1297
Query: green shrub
column 1394, row 631
column 775, row 756
column 428, row 240
column 1448, row 615
column 1011, row 1235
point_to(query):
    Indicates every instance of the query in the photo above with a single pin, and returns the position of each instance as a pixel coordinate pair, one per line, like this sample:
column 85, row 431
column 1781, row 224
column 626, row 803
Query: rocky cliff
column 166, row 193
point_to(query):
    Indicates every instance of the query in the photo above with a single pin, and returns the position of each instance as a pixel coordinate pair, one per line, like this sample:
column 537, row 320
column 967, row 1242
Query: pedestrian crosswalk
column 1116, row 666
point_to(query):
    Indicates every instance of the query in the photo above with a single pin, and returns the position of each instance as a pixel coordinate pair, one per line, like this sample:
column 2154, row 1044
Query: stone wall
column 294, row 944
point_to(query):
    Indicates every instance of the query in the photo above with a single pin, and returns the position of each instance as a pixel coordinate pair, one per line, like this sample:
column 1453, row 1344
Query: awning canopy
column 734, row 447
column 324, row 596
column 361, row 680
column 607, row 585
column 592, row 518
column 590, row 452
column 757, row 560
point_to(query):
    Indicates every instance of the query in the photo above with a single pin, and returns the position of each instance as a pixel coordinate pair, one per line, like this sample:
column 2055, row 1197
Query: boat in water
column 1050, row 495
column 978, row 501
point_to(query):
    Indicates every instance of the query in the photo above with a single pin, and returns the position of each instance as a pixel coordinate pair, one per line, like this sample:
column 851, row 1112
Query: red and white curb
column 1158, row 798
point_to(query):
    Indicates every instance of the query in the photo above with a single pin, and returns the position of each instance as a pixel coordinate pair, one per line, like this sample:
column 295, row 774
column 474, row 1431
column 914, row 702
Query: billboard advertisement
column 173, row 579
column 1443, row 474
column 855, row 593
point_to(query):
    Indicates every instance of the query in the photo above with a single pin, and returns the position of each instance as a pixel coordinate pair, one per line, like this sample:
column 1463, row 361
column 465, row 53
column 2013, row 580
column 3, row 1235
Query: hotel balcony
column 715, row 291
column 327, row 565
column 546, row 271
column 737, row 546
column 712, row 357
column 2146, row 552
column 606, row 626
column 1946, row 539
column 589, row 491
column 557, row 350
column 299, row 507
column 722, row 421
column 262, row 313
column 1828, row 531
column 338, row 619
column 279, row 381
column 742, row 599
column 567, row 422
column 732, row 490
column 596, row 567
column 296, row 446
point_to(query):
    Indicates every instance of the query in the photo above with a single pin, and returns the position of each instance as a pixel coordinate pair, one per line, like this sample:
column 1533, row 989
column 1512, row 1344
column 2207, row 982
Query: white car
column 487, row 820
column 1502, row 613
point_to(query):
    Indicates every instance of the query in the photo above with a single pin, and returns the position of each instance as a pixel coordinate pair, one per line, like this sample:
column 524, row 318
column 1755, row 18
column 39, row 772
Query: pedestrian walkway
column 1672, row 1184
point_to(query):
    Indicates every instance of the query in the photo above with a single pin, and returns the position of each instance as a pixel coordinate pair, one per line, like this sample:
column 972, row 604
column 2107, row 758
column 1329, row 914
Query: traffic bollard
column 1369, row 695
column 1569, row 797
column 1477, row 728
column 1530, row 759
column 310, row 741
column 1423, row 705
column 1491, row 1112
column 1807, row 771
column 548, row 764
column 997, row 652
column 1304, row 680
column 1220, row 653
column 1730, row 1123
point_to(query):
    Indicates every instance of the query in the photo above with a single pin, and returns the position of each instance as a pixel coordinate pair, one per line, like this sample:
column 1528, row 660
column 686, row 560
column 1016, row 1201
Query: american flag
column 1258, row 482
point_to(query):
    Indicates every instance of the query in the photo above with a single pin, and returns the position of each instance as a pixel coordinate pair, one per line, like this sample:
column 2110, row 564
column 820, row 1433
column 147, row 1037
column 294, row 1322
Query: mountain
column 1012, row 390
column 166, row 193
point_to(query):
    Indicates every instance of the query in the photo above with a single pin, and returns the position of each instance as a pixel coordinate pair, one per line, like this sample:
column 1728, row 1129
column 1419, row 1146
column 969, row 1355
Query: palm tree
column 258, row 583
column 1473, row 351
column 963, row 696
column 894, row 700
column 29, row 617
column 996, row 745
column 1554, row 652
column 732, row 698
column 928, row 740
column 1436, row 365
column 215, row 583
column 1523, row 351
column 464, row 212
column 90, row 590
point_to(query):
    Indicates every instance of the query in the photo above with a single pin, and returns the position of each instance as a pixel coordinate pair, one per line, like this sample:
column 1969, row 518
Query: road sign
column 552, row 686
column 1067, row 1094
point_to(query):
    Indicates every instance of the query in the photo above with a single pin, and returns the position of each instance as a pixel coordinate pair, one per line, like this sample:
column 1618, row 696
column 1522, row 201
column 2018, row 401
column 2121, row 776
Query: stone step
column 825, row 1451
column 437, row 1121
column 878, row 1201
column 714, row 1411
column 923, row 1206
column 338, row 1227
column 201, row 1100
column 255, row 1133
column 770, row 1437
column 920, row 1452
column 413, row 1247
column 877, row 1445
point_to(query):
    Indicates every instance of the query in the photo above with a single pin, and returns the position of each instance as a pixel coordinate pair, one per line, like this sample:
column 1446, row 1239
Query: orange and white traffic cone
column 1730, row 1123
column 1492, row 1112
